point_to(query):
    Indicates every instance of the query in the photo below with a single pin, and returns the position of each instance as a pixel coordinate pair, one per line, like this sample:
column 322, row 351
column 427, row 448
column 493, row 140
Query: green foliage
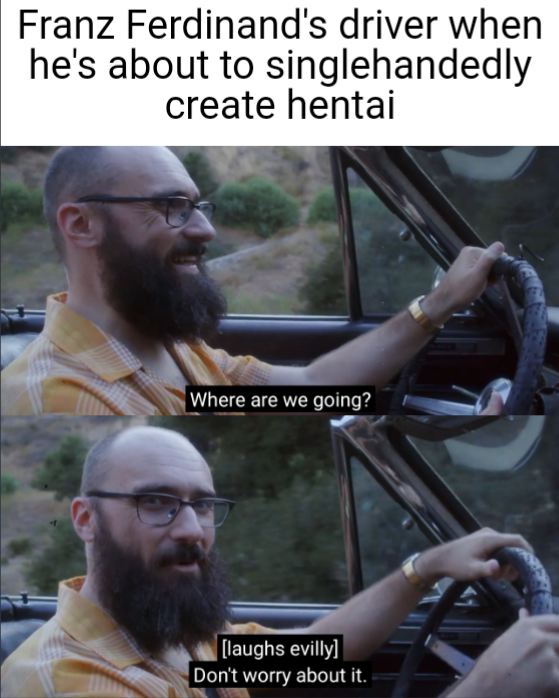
column 256, row 456
column 63, row 559
column 323, row 292
column 9, row 484
column 283, row 541
column 364, row 206
column 20, row 204
column 200, row 170
column 62, row 468
column 323, row 207
column 19, row 546
column 287, row 548
column 391, row 272
column 258, row 205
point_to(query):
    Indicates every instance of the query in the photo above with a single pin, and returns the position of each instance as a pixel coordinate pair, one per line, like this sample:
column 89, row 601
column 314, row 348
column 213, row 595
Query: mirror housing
column 506, row 445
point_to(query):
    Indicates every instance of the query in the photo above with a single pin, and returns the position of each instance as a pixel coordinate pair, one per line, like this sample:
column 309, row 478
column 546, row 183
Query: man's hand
column 469, row 559
column 524, row 661
column 464, row 282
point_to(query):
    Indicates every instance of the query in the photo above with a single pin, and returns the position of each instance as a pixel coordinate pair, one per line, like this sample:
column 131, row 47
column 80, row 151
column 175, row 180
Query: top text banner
column 270, row 73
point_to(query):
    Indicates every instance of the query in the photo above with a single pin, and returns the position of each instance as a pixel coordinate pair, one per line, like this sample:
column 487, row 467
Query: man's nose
column 199, row 227
column 186, row 526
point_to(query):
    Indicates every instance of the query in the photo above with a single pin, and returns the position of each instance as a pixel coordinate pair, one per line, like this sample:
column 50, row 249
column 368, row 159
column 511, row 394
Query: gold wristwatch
column 411, row 575
column 419, row 316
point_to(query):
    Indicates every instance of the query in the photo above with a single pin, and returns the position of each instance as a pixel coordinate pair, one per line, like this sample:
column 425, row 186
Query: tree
column 62, row 468
column 9, row 484
column 199, row 169
column 289, row 548
column 64, row 557
column 283, row 541
column 258, row 204
column 259, row 456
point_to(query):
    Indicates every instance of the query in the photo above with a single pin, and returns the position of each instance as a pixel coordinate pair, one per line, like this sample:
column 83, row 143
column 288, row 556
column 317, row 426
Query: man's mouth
column 188, row 263
column 185, row 566
column 188, row 560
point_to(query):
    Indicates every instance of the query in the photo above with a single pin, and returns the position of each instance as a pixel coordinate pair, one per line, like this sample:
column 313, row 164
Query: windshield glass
column 506, row 474
column 505, row 193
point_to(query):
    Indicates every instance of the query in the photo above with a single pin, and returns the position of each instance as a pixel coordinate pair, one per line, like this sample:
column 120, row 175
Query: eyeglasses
column 178, row 209
column 161, row 509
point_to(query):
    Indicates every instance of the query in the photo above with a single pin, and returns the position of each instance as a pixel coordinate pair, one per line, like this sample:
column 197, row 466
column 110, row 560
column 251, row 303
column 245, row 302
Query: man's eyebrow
column 161, row 488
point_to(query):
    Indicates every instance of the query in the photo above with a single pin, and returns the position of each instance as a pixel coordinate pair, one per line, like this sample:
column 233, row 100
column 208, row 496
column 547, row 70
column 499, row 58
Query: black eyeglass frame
column 102, row 199
column 136, row 496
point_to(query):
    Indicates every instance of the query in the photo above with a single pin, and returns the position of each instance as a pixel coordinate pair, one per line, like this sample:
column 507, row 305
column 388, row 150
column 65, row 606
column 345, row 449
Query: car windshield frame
column 395, row 462
column 408, row 192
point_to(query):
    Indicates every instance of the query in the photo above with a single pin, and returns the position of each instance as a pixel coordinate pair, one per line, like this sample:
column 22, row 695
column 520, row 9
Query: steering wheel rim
column 530, row 359
column 534, row 341
column 538, row 596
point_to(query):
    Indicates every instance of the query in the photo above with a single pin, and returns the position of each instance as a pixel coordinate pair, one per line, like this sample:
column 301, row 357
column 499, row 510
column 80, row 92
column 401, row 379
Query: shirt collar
column 89, row 625
column 74, row 335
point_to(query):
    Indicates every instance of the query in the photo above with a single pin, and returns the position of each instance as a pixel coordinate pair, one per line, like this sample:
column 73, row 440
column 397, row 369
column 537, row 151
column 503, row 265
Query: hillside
column 266, row 279
column 299, row 170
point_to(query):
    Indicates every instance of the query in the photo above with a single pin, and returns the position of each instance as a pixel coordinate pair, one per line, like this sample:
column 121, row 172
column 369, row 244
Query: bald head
column 141, row 452
column 78, row 171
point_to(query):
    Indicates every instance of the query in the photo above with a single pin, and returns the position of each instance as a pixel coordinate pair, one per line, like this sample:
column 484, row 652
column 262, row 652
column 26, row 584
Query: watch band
column 419, row 316
column 411, row 575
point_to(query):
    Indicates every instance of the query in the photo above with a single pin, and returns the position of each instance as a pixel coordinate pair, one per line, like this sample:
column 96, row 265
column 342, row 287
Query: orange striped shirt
column 81, row 652
column 73, row 367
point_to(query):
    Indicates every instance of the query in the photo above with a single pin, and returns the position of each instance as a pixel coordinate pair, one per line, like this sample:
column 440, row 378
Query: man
column 154, row 595
column 128, row 335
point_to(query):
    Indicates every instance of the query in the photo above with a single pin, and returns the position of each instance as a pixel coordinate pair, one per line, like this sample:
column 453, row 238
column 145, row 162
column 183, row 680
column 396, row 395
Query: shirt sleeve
column 240, row 370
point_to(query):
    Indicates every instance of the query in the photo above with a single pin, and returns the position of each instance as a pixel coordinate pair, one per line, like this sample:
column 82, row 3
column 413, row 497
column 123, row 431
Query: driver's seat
column 14, row 634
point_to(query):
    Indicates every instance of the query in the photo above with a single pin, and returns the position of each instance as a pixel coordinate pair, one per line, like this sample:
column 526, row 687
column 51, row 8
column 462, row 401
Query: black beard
column 153, row 297
column 161, row 607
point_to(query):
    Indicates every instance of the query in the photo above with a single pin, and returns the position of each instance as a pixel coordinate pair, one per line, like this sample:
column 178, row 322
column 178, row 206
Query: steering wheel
column 519, row 394
column 537, row 595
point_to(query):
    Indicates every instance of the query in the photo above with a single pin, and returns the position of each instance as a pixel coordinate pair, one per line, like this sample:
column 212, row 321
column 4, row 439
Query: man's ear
column 79, row 226
column 83, row 519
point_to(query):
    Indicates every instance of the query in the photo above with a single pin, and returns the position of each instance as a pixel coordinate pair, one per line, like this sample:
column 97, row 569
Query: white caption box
column 517, row 108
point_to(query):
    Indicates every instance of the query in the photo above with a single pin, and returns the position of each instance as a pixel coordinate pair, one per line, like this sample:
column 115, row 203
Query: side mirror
column 506, row 445
column 488, row 163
